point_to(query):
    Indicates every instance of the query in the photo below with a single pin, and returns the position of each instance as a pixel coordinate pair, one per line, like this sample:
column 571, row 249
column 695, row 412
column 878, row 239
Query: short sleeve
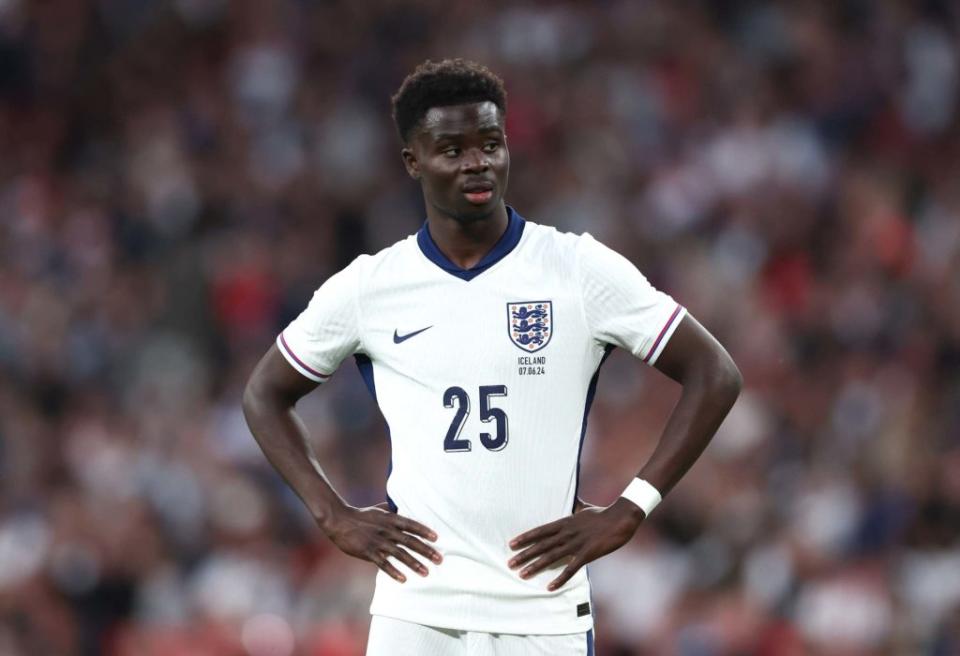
column 620, row 306
column 328, row 330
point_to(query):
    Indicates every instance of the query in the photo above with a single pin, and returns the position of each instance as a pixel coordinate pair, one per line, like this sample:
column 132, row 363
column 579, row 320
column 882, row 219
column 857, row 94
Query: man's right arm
column 372, row 533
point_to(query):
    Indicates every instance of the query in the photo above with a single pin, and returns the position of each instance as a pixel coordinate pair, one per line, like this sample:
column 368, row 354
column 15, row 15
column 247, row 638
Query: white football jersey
column 485, row 377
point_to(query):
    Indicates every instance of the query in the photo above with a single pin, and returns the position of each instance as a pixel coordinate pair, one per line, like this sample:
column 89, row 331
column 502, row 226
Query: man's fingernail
column 436, row 558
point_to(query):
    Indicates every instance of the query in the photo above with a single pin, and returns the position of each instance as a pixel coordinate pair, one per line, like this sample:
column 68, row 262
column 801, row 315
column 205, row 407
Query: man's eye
column 452, row 151
column 491, row 146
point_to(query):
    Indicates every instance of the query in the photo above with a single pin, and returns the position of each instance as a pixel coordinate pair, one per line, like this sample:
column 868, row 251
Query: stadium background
column 176, row 177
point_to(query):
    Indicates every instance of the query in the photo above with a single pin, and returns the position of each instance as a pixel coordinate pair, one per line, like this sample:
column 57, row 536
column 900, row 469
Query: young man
column 481, row 338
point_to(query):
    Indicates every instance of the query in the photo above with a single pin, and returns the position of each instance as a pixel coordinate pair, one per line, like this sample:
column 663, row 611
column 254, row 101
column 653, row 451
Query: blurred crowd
column 177, row 176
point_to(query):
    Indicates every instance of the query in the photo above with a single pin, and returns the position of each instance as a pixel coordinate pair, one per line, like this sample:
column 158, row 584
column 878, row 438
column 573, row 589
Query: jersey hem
column 581, row 625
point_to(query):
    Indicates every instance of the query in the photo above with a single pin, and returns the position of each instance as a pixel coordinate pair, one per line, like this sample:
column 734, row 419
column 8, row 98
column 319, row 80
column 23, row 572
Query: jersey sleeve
column 328, row 330
column 620, row 306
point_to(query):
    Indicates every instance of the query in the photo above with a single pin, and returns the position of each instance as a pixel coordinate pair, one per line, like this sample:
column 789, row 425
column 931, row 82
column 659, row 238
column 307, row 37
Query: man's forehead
column 462, row 118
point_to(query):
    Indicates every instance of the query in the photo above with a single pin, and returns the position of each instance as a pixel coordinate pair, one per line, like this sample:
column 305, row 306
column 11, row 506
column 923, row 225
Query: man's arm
column 367, row 533
column 711, row 383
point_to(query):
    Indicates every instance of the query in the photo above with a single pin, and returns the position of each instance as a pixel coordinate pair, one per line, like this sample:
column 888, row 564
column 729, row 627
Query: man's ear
column 410, row 163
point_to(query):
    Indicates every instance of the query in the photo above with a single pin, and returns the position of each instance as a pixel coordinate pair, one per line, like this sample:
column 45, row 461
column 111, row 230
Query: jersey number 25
column 457, row 395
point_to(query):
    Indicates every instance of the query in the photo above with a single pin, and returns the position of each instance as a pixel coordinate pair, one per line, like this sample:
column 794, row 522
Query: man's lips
column 479, row 197
column 478, row 193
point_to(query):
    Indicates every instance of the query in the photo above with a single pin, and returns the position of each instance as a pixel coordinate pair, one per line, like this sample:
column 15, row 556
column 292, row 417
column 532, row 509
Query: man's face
column 460, row 156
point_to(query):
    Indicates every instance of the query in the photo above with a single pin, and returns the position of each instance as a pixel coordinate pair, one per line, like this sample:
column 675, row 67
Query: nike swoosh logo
column 402, row 338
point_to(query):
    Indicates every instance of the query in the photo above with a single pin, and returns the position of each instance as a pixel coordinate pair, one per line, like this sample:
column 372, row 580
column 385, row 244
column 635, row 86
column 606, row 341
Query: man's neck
column 465, row 243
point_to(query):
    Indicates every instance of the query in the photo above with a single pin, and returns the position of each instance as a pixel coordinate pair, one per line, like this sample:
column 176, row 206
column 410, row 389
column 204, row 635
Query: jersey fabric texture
column 485, row 378
column 392, row 637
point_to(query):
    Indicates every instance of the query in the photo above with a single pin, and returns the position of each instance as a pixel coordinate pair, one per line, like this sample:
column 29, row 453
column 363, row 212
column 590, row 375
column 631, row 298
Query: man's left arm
column 711, row 383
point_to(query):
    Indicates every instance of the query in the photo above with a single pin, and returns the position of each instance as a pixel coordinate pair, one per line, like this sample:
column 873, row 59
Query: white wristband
column 643, row 495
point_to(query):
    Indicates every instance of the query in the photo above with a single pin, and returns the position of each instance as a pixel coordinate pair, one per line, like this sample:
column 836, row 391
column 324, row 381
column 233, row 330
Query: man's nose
column 475, row 160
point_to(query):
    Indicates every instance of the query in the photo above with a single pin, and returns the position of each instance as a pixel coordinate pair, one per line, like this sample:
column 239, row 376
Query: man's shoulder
column 548, row 236
column 570, row 243
column 544, row 243
column 395, row 254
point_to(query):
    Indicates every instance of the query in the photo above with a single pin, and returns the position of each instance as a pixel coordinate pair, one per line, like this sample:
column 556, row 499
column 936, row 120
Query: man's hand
column 588, row 534
column 580, row 504
column 375, row 533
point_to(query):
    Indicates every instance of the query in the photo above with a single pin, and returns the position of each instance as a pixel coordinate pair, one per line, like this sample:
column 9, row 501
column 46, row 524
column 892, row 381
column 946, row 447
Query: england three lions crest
column 530, row 324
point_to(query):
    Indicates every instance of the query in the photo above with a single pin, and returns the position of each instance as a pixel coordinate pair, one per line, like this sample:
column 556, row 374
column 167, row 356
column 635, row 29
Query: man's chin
column 471, row 213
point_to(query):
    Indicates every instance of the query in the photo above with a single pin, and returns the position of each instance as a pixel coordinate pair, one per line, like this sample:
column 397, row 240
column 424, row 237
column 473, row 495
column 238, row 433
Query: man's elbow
column 250, row 400
column 727, row 380
column 256, row 397
column 262, row 395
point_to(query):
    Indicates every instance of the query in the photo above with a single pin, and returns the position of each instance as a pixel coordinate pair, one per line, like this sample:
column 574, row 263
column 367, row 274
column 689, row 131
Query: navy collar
column 507, row 242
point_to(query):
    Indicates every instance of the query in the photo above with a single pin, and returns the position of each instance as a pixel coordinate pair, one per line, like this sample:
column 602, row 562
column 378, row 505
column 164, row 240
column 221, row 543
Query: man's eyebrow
column 440, row 136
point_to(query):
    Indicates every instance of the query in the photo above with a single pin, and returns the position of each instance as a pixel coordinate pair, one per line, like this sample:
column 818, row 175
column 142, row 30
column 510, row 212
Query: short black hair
column 441, row 84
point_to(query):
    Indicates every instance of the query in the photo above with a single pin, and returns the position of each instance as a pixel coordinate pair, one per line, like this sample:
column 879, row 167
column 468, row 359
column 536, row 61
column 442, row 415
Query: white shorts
column 391, row 637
